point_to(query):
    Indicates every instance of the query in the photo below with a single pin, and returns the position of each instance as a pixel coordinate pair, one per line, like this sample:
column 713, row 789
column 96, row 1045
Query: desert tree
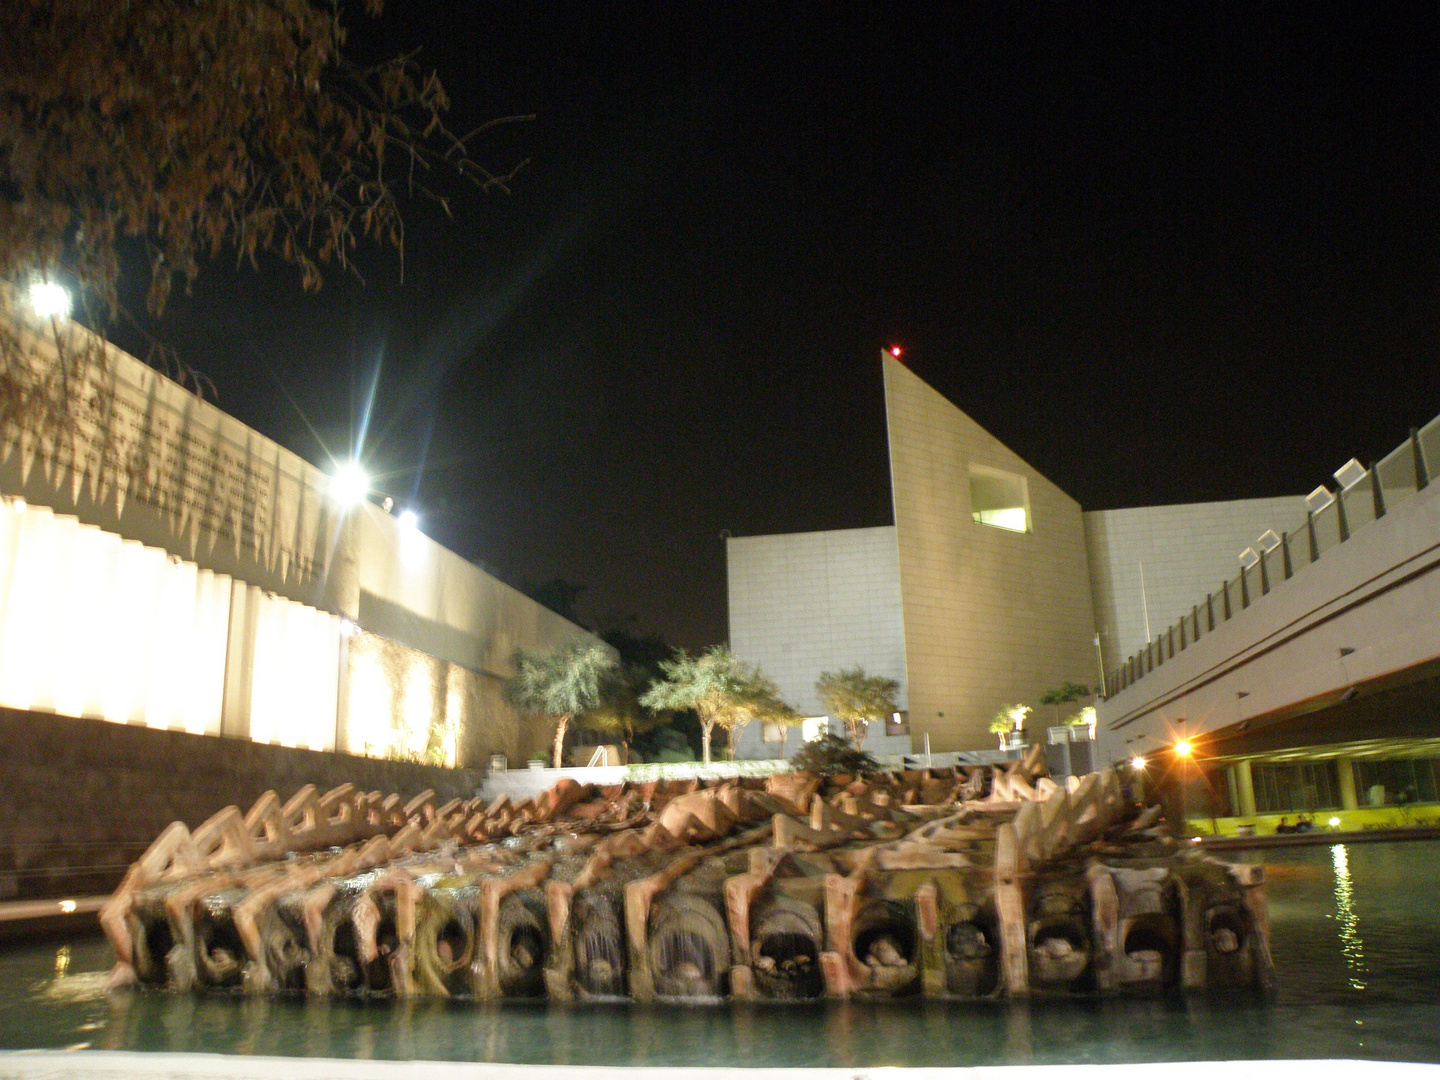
column 560, row 685
column 858, row 699
column 762, row 703
column 784, row 717
column 618, row 713
column 723, row 690
column 205, row 126
column 1067, row 693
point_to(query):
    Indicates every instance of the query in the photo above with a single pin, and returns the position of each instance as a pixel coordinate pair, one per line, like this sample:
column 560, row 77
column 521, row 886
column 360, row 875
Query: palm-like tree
column 722, row 689
column 618, row 714
column 560, row 684
column 857, row 698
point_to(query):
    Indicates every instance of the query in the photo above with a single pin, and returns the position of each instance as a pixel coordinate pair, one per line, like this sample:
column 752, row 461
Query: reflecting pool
column 1355, row 933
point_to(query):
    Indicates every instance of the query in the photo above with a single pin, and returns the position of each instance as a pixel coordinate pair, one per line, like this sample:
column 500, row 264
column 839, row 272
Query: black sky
column 1170, row 252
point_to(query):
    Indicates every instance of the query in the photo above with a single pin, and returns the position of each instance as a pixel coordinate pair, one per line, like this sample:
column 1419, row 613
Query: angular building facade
column 992, row 586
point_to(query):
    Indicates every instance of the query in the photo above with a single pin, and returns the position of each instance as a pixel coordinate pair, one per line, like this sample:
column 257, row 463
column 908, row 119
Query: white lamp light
column 50, row 301
column 350, row 484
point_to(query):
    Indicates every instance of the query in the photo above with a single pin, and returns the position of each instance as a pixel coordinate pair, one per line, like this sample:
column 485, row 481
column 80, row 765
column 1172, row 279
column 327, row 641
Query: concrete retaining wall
column 80, row 799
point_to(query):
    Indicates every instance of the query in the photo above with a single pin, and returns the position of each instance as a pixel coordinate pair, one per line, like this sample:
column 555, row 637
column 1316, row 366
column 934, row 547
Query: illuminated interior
column 999, row 499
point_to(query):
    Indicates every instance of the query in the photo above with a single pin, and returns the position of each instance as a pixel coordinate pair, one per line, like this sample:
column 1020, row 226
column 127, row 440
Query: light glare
column 50, row 301
column 350, row 484
column 409, row 519
column 1137, row 763
column 1183, row 748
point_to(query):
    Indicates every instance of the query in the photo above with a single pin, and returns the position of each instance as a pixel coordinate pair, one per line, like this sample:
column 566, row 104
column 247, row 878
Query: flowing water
column 1355, row 932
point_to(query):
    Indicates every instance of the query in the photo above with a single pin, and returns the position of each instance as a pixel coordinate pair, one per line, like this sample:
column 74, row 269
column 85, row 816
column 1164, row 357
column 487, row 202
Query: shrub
column 830, row 755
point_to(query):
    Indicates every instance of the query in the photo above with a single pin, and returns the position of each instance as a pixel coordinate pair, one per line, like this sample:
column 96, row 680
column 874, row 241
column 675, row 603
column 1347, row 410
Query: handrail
column 1333, row 519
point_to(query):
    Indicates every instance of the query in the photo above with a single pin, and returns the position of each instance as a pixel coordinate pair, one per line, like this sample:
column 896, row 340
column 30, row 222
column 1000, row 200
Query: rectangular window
column 814, row 726
column 1282, row 788
column 897, row 723
column 999, row 499
column 1404, row 781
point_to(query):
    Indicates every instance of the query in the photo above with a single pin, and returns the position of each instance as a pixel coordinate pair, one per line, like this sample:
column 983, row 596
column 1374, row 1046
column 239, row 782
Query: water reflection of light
column 1350, row 944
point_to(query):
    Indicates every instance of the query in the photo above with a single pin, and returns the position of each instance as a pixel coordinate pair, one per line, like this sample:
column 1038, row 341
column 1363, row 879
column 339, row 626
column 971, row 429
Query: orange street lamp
column 1183, row 750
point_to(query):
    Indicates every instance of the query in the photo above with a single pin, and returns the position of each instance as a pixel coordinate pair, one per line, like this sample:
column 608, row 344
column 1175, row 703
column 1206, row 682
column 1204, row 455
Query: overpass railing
column 1360, row 497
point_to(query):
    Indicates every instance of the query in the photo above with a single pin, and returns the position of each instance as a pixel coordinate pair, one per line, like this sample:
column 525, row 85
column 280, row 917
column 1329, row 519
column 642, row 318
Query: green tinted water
column 1355, row 932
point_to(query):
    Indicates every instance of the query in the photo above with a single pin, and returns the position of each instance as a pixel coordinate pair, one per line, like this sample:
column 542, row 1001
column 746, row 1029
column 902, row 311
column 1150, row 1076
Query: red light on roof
column 895, row 351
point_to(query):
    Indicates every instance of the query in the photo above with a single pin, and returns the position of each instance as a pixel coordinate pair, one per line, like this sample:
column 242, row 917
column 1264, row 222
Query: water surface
column 1355, row 932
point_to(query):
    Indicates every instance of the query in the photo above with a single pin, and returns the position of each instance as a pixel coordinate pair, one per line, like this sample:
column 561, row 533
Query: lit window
column 999, row 499
column 814, row 727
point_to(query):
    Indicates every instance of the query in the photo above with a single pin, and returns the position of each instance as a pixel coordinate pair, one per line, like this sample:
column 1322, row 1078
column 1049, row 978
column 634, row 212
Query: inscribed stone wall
column 143, row 457
column 991, row 616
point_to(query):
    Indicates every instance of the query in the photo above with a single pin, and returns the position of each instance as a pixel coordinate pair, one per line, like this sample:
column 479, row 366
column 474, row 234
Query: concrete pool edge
column 122, row 1065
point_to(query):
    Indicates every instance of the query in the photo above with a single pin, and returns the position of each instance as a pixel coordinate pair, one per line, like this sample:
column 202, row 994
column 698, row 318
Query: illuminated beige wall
column 163, row 564
column 415, row 591
column 806, row 603
column 93, row 625
column 407, row 705
column 991, row 616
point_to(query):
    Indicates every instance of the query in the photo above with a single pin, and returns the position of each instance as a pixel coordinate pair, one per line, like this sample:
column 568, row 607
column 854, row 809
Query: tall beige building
column 992, row 586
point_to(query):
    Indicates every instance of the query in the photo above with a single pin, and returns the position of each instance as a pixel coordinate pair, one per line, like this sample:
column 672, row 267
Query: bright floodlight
column 1334, row 821
column 1137, row 763
column 1183, row 748
column 50, row 301
column 350, row 484
column 409, row 519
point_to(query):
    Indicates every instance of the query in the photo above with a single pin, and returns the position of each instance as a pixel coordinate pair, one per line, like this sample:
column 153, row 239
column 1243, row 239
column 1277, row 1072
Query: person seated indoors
column 1305, row 824
column 1284, row 826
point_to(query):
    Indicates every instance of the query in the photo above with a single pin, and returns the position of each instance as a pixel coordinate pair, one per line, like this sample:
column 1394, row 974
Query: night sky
column 1179, row 252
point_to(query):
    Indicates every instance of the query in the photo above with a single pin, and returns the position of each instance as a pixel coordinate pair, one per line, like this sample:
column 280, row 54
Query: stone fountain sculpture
column 972, row 883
